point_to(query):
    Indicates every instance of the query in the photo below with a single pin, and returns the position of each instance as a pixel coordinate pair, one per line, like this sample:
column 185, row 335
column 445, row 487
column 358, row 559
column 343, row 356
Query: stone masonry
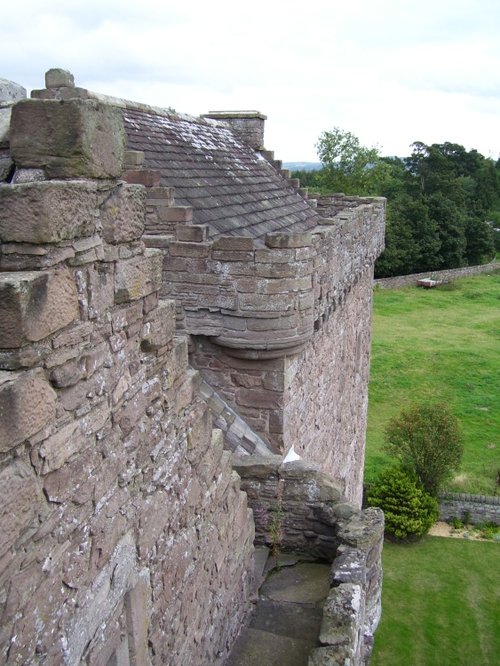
column 161, row 275
column 125, row 537
column 470, row 508
column 276, row 298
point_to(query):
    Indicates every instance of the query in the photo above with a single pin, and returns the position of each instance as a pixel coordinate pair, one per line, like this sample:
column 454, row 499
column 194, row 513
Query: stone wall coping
column 281, row 240
column 264, row 466
column 223, row 115
column 478, row 499
column 472, row 508
column 284, row 290
column 123, row 103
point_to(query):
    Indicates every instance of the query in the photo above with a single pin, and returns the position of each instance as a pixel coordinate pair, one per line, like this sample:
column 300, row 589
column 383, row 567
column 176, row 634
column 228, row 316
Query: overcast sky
column 390, row 71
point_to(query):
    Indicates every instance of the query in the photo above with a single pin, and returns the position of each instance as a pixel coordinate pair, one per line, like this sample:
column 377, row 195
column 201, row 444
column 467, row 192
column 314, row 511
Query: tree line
column 443, row 201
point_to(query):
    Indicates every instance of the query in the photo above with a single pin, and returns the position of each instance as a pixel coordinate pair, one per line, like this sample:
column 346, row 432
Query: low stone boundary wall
column 298, row 508
column 476, row 508
column 450, row 274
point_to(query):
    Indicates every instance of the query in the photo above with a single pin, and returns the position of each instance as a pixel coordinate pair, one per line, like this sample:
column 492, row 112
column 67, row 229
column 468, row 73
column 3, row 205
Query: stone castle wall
column 327, row 391
column 124, row 532
column 267, row 315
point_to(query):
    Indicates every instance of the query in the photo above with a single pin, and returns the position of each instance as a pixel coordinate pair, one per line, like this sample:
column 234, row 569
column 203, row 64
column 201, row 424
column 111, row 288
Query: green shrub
column 489, row 531
column 409, row 510
column 427, row 441
column 456, row 523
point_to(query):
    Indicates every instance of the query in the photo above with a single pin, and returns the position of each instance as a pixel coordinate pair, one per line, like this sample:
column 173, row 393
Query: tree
column 408, row 509
column 427, row 441
column 348, row 166
column 480, row 238
column 450, row 222
column 412, row 238
column 443, row 202
column 401, row 251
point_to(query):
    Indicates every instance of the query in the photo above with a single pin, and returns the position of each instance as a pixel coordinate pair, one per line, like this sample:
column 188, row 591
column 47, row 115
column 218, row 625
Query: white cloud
column 390, row 72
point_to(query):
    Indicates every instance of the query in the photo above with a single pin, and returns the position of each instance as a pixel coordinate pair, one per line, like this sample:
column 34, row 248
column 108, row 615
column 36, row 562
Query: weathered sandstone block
column 235, row 243
column 10, row 93
column 341, row 615
column 72, row 138
column 184, row 249
column 159, row 330
column 122, row 214
column 57, row 78
column 35, row 304
column 146, row 177
column 58, row 448
column 20, row 496
column 288, row 240
column 47, row 211
column 197, row 233
column 138, row 277
column 134, row 158
column 180, row 214
column 27, row 404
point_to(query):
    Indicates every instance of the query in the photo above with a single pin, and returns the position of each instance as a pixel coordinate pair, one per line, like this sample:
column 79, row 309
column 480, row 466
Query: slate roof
column 231, row 187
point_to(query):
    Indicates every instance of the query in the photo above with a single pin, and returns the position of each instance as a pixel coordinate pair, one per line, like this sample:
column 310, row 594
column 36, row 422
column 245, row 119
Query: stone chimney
column 248, row 125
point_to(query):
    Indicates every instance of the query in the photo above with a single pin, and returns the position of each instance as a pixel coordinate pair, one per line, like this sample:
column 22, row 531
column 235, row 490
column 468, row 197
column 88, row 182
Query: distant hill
column 302, row 166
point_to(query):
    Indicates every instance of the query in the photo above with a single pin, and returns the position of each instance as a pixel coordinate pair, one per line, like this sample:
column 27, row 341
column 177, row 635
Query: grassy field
column 443, row 345
column 441, row 604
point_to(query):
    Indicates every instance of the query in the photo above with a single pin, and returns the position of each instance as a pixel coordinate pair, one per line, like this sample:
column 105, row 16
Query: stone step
column 288, row 619
column 305, row 583
column 255, row 647
column 285, row 625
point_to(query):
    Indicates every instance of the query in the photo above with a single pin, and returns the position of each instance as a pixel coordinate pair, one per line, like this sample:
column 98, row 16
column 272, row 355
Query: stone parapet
column 351, row 242
column 251, row 298
column 299, row 509
column 277, row 313
column 265, row 299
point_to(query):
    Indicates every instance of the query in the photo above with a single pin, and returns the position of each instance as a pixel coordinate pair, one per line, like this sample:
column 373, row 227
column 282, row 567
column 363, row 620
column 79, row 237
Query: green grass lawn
column 442, row 345
column 441, row 604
